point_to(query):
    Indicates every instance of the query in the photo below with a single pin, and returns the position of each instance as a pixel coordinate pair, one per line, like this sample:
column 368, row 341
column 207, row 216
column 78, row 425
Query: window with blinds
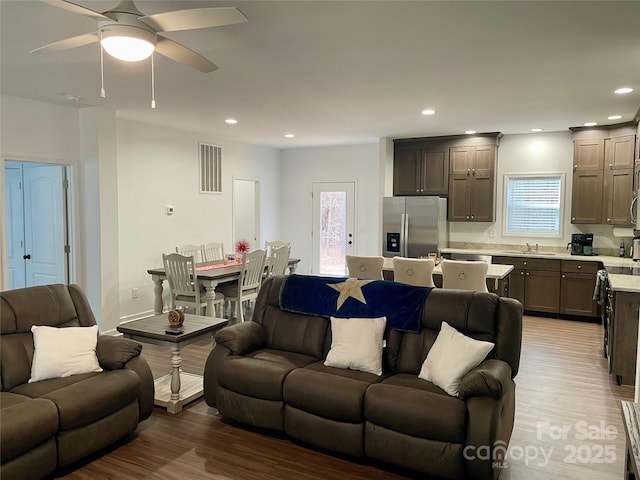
column 210, row 168
column 533, row 204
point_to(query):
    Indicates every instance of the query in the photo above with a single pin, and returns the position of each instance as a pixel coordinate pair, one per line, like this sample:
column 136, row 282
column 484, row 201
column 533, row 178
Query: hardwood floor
column 568, row 425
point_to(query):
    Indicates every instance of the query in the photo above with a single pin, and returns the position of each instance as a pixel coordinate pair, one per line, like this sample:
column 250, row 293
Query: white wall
column 37, row 132
column 301, row 167
column 154, row 167
column 159, row 167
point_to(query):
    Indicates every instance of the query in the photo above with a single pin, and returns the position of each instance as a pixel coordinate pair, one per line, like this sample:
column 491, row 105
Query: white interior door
column 44, row 230
column 333, row 229
column 36, row 224
column 246, row 216
column 14, row 205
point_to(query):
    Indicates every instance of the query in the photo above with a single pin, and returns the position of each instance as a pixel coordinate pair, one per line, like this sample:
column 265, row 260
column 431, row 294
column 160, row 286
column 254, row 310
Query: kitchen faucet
column 529, row 247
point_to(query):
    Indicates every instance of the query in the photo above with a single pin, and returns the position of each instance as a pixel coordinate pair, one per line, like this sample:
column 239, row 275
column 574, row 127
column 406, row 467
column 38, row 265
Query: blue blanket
column 349, row 297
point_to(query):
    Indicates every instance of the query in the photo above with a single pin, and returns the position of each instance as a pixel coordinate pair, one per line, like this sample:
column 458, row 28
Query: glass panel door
column 333, row 227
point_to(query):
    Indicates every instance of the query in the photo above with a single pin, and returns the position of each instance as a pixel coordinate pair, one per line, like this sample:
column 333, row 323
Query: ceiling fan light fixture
column 130, row 44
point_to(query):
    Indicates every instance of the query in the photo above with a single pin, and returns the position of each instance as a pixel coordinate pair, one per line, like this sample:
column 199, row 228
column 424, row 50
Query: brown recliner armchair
column 54, row 423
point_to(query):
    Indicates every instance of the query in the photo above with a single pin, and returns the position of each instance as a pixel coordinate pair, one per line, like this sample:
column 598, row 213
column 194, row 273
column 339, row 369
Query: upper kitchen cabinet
column 586, row 196
column 472, row 183
column 618, row 179
column 603, row 175
column 421, row 168
column 588, row 155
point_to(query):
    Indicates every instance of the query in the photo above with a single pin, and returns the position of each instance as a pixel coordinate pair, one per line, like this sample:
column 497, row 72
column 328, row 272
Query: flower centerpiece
column 242, row 247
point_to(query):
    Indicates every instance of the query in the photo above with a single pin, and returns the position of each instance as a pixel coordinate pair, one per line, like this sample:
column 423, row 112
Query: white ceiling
column 341, row 72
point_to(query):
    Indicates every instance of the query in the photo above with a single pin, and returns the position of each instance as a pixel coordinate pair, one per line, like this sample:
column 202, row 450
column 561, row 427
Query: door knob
column 27, row 257
column 350, row 242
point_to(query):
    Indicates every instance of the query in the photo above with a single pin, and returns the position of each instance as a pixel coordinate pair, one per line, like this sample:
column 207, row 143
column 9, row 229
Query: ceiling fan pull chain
column 153, row 84
column 102, row 92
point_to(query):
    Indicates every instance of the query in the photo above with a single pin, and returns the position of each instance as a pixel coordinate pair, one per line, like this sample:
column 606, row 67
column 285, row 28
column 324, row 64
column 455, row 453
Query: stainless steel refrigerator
column 414, row 226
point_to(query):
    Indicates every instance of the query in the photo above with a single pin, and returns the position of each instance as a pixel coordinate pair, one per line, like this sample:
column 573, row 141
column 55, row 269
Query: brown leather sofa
column 54, row 423
column 269, row 373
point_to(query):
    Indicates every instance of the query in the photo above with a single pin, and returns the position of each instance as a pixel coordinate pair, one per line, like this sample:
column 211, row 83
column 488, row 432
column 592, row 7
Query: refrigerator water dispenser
column 393, row 242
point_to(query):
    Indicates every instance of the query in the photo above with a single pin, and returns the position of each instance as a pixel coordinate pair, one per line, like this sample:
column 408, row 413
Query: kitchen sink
column 525, row 252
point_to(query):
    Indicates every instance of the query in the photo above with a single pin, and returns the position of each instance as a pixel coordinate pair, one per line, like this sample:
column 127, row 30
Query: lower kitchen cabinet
column 578, row 282
column 623, row 336
column 553, row 286
column 535, row 282
column 542, row 291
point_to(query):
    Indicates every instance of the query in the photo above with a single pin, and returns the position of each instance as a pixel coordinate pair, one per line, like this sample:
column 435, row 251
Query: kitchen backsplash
column 479, row 236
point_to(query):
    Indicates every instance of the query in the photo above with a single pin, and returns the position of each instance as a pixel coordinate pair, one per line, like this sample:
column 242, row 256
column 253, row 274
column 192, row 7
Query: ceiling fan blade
column 182, row 54
column 72, row 7
column 68, row 43
column 194, row 18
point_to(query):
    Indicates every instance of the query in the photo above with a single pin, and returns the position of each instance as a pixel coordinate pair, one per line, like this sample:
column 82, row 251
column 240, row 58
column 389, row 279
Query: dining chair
column 464, row 275
column 186, row 291
column 279, row 260
column 249, row 282
column 269, row 246
column 365, row 267
column 190, row 250
column 213, row 251
column 413, row 271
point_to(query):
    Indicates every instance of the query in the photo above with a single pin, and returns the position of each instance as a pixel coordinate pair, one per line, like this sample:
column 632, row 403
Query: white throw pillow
column 451, row 357
column 356, row 343
column 62, row 352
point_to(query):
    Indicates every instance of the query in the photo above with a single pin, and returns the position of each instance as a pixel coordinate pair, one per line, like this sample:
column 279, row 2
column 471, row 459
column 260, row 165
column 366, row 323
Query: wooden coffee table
column 176, row 389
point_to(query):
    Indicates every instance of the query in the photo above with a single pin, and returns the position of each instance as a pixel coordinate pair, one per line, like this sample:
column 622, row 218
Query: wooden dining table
column 209, row 276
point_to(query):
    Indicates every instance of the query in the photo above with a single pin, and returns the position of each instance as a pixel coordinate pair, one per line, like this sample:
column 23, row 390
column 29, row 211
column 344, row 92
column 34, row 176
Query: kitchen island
column 497, row 276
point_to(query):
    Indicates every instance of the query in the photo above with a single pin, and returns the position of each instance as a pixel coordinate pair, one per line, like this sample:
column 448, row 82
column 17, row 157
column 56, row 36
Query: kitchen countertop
column 495, row 271
column 618, row 282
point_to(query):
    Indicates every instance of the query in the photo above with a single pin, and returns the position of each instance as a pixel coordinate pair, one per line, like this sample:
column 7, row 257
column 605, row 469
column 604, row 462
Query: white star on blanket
column 352, row 287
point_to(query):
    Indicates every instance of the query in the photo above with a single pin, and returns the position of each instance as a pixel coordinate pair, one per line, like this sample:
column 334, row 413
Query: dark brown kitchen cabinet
column 421, row 169
column 553, row 286
column 603, row 175
column 578, row 282
column 618, row 179
column 535, row 282
column 542, row 291
column 516, row 284
column 588, row 155
column 586, row 196
column 472, row 183
column 623, row 336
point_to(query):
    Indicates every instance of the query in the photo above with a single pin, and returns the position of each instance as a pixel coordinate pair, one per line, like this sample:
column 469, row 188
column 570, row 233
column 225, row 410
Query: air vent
column 210, row 168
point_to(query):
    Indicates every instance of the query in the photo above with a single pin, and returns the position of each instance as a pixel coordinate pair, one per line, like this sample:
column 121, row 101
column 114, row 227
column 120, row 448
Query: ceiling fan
column 128, row 34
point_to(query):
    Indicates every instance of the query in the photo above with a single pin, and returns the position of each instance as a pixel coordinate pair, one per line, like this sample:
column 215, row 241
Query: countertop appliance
column 581, row 244
column 414, row 226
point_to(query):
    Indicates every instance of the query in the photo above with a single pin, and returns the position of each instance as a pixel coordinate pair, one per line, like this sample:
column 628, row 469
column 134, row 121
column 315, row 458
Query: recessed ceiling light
column 536, row 129
column 231, row 121
column 591, row 124
column 623, row 90
column 470, row 132
column 614, row 117
column 289, row 135
column 428, row 111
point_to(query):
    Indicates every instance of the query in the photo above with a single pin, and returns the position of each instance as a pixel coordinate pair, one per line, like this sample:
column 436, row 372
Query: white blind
column 210, row 168
column 533, row 205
